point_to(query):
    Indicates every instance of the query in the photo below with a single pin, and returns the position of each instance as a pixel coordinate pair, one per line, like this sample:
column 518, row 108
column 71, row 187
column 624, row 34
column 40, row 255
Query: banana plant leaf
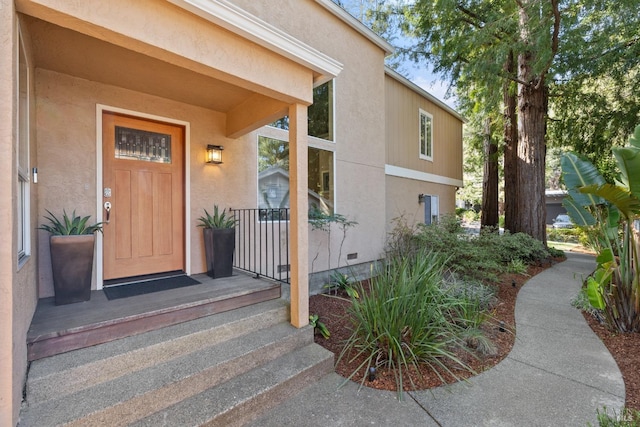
column 627, row 203
column 612, row 222
column 579, row 215
column 628, row 159
column 576, row 173
column 595, row 286
column 604, row 257
column 635, row 139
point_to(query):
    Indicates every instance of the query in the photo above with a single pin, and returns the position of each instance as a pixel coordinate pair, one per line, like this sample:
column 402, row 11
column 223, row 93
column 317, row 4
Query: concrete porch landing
column 58, row 329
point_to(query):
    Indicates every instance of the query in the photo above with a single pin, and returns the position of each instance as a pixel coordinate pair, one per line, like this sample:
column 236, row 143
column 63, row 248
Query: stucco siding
column 164, row 31
column 403, row 204
column 359, row 127
column 66, row 111
column 8, row 397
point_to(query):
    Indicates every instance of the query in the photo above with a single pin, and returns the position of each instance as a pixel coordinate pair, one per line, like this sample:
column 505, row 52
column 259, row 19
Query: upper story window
column 320, row 114
column 426, row 135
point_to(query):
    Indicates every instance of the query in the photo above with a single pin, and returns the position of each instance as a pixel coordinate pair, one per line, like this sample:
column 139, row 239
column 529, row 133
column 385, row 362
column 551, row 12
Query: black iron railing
column 262, row 242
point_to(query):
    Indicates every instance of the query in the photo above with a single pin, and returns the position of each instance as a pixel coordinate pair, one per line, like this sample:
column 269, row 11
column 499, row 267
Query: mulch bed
column 625, row 348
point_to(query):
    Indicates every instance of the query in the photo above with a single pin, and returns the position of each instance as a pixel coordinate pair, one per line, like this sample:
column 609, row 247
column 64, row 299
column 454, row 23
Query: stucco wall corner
column 9, row 390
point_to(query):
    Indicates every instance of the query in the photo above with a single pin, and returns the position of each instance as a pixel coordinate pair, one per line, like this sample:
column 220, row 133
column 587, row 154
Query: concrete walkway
column 557, row 374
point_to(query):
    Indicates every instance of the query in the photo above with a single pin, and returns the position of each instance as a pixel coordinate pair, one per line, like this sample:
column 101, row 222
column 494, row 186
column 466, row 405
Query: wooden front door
column 143, row 180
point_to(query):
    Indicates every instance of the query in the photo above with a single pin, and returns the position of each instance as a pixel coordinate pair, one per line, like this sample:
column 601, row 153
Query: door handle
column 107, row 207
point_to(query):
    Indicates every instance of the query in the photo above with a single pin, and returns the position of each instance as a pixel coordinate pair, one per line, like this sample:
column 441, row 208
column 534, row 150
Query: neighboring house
column 87, row 78
column 273, row 191
column 553, row 200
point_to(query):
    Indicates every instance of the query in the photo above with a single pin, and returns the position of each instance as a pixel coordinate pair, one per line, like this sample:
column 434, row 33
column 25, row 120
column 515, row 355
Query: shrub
column 567, row 235
column 481, row 257
column 519, row 246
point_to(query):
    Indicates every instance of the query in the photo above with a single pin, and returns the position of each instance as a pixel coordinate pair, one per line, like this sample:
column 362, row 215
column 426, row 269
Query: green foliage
column 217, row 220
column 582, row 303
column 610, row 209
column 626, row 418
column 568, row 235
column 555, row 253
column 592, row 68
column 272, row 152
column 482, row 257
column 409, row 316
column 517, row 266
column 467, row 215
column 69, row 225
column 320, row 220
column 342, row 282
column 314, row 320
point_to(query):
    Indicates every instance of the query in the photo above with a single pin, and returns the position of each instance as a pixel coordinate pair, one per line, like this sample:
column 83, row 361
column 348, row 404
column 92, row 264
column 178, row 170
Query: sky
column 420, row 75
column 430, row 82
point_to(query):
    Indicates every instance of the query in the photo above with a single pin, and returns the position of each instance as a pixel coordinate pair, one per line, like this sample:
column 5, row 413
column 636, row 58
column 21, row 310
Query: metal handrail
column 262, row 242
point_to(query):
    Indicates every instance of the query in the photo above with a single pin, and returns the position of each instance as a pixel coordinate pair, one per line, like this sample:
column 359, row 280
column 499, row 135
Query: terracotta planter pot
column 72, row 264
column 219, row 246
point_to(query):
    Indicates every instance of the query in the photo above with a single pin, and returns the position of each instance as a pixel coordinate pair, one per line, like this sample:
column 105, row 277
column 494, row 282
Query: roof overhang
column 365, row 31
column 239, row 21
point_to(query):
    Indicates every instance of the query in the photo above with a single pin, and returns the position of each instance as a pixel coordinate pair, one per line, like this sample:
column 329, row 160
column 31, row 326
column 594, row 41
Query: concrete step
column 245, row 363
column 74, row 371
column 248, row 396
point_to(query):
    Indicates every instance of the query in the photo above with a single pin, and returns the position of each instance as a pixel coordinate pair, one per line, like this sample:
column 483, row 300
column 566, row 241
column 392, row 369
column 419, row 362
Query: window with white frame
column 273, row 176
column 426, row 135
column 22, row 214
column 320, row 114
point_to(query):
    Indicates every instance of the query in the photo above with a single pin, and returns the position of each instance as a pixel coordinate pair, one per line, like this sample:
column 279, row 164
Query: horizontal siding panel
column 402, row 132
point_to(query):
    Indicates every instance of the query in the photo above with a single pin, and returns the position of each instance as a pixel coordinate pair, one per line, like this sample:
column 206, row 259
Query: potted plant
column 219, row 242
column 72, row 243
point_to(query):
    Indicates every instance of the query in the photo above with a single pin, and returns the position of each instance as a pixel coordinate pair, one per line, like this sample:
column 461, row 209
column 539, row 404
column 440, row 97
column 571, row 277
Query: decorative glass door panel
column 135, row 144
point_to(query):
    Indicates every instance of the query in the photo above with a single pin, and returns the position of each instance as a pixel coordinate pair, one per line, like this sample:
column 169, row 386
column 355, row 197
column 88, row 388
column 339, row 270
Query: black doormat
column 149, row 286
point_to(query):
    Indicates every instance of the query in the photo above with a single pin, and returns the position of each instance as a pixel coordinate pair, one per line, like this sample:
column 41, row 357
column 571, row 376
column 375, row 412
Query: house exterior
column 553, row 200
column 89, row 86
column 423, row 165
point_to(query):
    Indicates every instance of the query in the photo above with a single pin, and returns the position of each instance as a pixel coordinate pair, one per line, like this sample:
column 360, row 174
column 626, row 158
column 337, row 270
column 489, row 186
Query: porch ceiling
column 66, row 51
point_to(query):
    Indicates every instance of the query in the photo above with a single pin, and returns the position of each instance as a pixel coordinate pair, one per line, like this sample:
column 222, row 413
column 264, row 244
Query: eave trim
column 348, row 19
column 241, row 22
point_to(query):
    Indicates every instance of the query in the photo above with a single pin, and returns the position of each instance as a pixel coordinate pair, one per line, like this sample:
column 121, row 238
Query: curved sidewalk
column 558, row 373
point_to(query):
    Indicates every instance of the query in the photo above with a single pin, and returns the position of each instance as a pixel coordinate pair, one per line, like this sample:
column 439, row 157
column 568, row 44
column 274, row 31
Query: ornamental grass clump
column 408, row 318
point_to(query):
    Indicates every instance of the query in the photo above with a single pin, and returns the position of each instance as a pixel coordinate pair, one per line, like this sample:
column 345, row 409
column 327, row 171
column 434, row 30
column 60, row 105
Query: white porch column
column 299, row 224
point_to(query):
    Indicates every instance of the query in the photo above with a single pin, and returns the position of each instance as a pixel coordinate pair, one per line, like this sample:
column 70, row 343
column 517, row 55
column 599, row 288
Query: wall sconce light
column 214, row 154
column 420, row 198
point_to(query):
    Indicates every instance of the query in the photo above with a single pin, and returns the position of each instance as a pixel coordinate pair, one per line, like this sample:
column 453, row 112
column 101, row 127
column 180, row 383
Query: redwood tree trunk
column 490, row 182
column 532, row 107
column 510, row 147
